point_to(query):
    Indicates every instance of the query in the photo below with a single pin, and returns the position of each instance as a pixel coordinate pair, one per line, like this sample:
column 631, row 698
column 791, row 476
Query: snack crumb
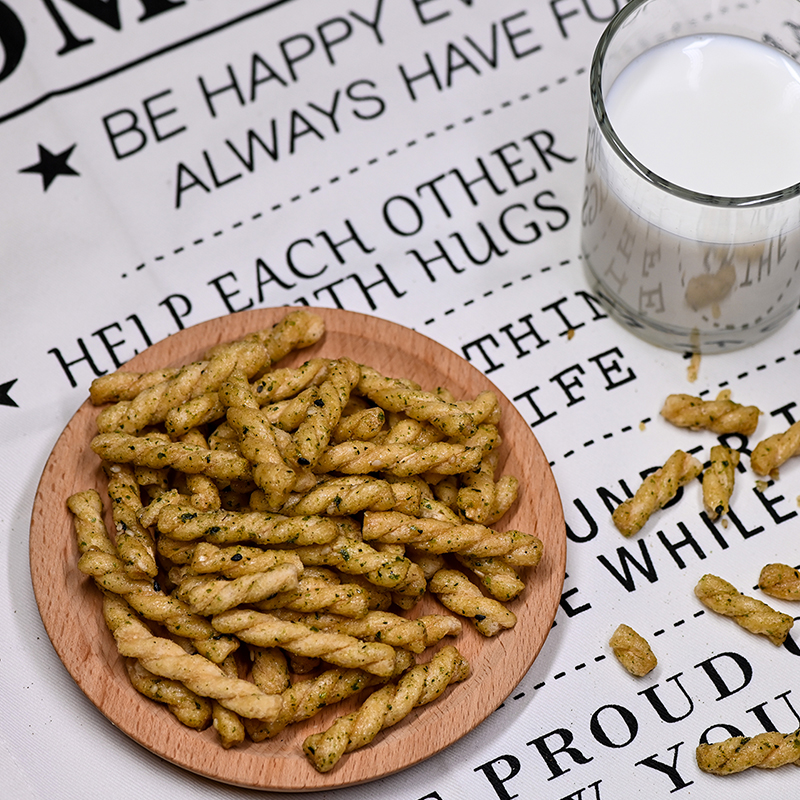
column 694, row 368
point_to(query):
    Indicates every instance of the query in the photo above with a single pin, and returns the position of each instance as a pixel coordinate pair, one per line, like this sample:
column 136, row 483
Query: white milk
column 716, row 114
column 713, row 114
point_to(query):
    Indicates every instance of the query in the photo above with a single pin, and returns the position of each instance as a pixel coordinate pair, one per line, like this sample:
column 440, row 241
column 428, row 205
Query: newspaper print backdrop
column 169, row 161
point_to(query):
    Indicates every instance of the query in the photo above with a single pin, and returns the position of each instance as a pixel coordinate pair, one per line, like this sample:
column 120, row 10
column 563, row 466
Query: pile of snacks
column 273, row 526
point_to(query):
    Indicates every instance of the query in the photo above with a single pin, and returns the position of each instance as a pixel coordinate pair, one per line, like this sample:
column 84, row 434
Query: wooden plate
column 69, row 602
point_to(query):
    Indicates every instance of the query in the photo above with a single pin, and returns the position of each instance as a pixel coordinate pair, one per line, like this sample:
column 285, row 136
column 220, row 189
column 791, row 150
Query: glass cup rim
column 629, row 160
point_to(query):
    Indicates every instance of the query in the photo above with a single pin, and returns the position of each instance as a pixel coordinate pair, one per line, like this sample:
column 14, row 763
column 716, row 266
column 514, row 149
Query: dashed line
column 486, row 112
column 489, row 292
column 602, row 656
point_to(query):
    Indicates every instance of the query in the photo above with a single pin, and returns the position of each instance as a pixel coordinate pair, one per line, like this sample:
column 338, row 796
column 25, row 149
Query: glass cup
column 682, row 269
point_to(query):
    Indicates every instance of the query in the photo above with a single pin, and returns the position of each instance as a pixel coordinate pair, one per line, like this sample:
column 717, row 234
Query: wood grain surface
column 70, row 603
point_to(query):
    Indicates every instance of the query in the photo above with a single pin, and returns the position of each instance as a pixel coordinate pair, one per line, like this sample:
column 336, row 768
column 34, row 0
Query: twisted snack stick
column 353, row 557
column 394, row 395
column 354, row 457
column 632, row 651
column 228, row 724
column 462, row 597
column 483, row 500
column 414, row 635
column 751, row 614
column 655, row 492
column 175, row 615
column 126, row 385
column 364, row 424
column 267, row 630
column 271, row 473
column 403, row 430
column 152, row 451
column 189, row 708
column 386, row 707
column 269, row 670
column 238, row 560
column 167, row 659
column 719, row 416
column 319, row 589
column 439, row 536
column 227, row 527
column 204, row 494
column 770, row 454
column 289, row 414
column 296, row 331
column 342, row 497
column 193, row 380
column 284, row 382
column 718, row 480
column 87, row 511
column 314, row 433
column 208, row 594
column 497, row 577
column 738, row 753
column 134, row 543
column 193, row 413
column 305, row 698
column 781, row 581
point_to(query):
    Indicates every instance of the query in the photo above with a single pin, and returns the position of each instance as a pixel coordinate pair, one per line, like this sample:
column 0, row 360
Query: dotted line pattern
column 599, row 658
column 490, row 292
column 723, row 384
column 605, row 436
column 355, row 169
column 749, row 373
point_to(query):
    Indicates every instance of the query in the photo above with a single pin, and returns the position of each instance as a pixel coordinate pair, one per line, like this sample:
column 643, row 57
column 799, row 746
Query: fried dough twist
column 441, row 458
column 655, row 492
column 776, row 450
column 462, row 597
column 719, row 416
column 440, row 536
column 314, row 433
column 632, row 651
column 750, row 613
column 387, row 570
column 167, row 659
column 134, row 542
column 189, row 708
column 185, row 523
column 153, row 451
column 781, row 581
column 392, row 394
column 267, row 630
column 718, row 480
column 738, row 753
column 386, row 707
column 198, row 378
column 414, row 635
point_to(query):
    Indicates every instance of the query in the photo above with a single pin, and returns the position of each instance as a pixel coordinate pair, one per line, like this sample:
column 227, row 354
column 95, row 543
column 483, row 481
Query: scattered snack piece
column 769, row 454
column 780, row 581
column 655, row 492
column 750, row 613
column 386, row 707
column 632, row 651
column 738, row 753
column 719, row 416
column 718, row 480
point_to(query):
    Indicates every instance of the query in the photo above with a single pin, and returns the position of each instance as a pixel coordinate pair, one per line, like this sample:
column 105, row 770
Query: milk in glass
column 719, row 117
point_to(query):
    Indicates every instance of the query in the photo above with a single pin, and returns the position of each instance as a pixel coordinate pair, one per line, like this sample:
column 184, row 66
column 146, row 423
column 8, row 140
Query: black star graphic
column 5, row 400
column 52, row 164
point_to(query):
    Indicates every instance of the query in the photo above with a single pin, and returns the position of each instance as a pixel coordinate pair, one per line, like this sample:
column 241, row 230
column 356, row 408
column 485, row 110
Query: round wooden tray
column 69, row 602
